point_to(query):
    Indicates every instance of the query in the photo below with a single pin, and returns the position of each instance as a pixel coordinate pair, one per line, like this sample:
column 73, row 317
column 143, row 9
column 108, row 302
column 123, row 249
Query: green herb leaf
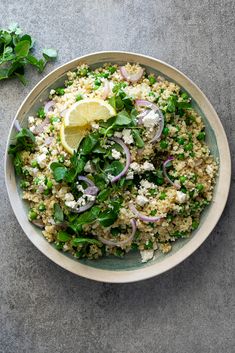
column 49, row 54
column 63, row 236
column 78, row 241
column 88, row 216
column 58, row 213
column 122, row 118
column 88, row 143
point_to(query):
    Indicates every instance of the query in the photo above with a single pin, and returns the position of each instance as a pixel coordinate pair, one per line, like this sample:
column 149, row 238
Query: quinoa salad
column 116, row 160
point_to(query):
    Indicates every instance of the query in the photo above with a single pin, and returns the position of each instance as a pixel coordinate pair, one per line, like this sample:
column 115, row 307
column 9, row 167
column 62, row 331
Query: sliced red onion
column 128, row 159
column 154, row 107
column 38, row 223
column 39, row 129
column 86, row 180
column 17, row 125
column 143, row 217
column 132, row 77
column 123, row 242
column 48, row 106
column 106, row 90
column 91, row 190
column 165, row 166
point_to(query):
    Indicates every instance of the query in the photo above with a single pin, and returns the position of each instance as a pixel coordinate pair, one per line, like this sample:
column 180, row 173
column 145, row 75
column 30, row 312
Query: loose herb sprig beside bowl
column 16, row 53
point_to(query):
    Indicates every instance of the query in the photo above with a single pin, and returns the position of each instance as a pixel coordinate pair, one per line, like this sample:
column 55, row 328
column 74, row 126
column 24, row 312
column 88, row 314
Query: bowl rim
column 133, row 275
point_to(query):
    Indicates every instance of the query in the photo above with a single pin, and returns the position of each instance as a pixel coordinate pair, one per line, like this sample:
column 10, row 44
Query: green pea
column 162, row 196
column 60, row 91
column 181, row 141
column 112, row 69
column 83, row 72
column 184, row 95
column 153, row 213
column 34, row 164
column 165, row 131
column 151, row 94
column 181, row 156
column 97, row 82
column 195, row 225
column 24, row 184
column 79, row 97
column 32, row 215
column 49, row 184
column 200, row 187
column 201, row 136
column 41, row 207
column 188, row 147
column 182, row 179
column 163, row 144
column 151, row 79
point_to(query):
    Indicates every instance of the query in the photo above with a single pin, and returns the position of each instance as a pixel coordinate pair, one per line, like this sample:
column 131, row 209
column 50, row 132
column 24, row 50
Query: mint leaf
column 49, row 54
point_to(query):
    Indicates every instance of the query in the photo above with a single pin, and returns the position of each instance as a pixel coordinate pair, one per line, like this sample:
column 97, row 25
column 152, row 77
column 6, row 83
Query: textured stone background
column 190, row 309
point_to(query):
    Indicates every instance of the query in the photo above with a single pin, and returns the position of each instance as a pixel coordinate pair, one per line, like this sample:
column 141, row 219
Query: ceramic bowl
column 130, row 268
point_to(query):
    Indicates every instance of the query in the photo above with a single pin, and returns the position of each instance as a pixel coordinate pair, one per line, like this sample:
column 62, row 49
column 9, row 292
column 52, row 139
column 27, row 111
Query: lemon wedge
column 87, row 111
column 71, row 136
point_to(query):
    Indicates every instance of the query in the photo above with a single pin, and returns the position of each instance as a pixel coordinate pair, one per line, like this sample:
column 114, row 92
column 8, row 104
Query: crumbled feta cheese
column 151, row 119
column 95, row 126
column 135, row 166
column 148, row 166
column 116, row 154
column 209, row 170
column 118, row 134
column 32, row 128
column 146, row 255
column 130, row 175
column 31, row 119
column 90, row 197
column 89, row 167
column 141, row 200
column 33, row 171
column 127, row 136
column 44, row 150
column 80, row 188
column 180, row 196
column 71, row 204
column 147, row 185
column 41, row 160
column 68, row 197
column 52, row 91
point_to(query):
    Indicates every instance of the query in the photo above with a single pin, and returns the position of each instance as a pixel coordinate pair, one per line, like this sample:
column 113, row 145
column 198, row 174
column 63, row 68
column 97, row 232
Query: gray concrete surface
column 190, row 309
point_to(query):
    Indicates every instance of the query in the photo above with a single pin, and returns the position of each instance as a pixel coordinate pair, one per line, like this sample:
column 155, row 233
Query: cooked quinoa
column 156, row 202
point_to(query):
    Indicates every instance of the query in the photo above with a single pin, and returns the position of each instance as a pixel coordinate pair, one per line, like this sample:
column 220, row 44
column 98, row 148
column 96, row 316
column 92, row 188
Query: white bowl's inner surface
column 216, row 140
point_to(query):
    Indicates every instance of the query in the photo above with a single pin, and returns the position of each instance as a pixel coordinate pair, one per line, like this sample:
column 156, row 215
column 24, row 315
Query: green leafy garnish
column 58, row 213
column 16, row 53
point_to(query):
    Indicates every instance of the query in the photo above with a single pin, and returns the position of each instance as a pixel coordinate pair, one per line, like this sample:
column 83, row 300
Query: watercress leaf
column 138, row 140
column 78, row 241
column 63, row 236
column 22, row 48
column 55, row 165
column 18, row 164
column 122, row 118
column 119, row 103
column 4, row 74
column 26, row 37
column 58, row 213
column 88, row 216
column 88, row 143
column 108, row 217
column 49, row 54
column 5, row 37
column 112, row 102
column 59, row 173
column 114, row 168
column 14, row 28
column 103, row 195
column 21, row 78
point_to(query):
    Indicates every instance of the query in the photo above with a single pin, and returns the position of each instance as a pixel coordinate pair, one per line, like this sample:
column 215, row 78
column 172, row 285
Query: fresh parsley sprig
column 16, row 53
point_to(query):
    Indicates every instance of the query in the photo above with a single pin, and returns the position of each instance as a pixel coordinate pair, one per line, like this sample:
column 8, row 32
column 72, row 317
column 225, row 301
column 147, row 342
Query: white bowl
column 130, row 268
